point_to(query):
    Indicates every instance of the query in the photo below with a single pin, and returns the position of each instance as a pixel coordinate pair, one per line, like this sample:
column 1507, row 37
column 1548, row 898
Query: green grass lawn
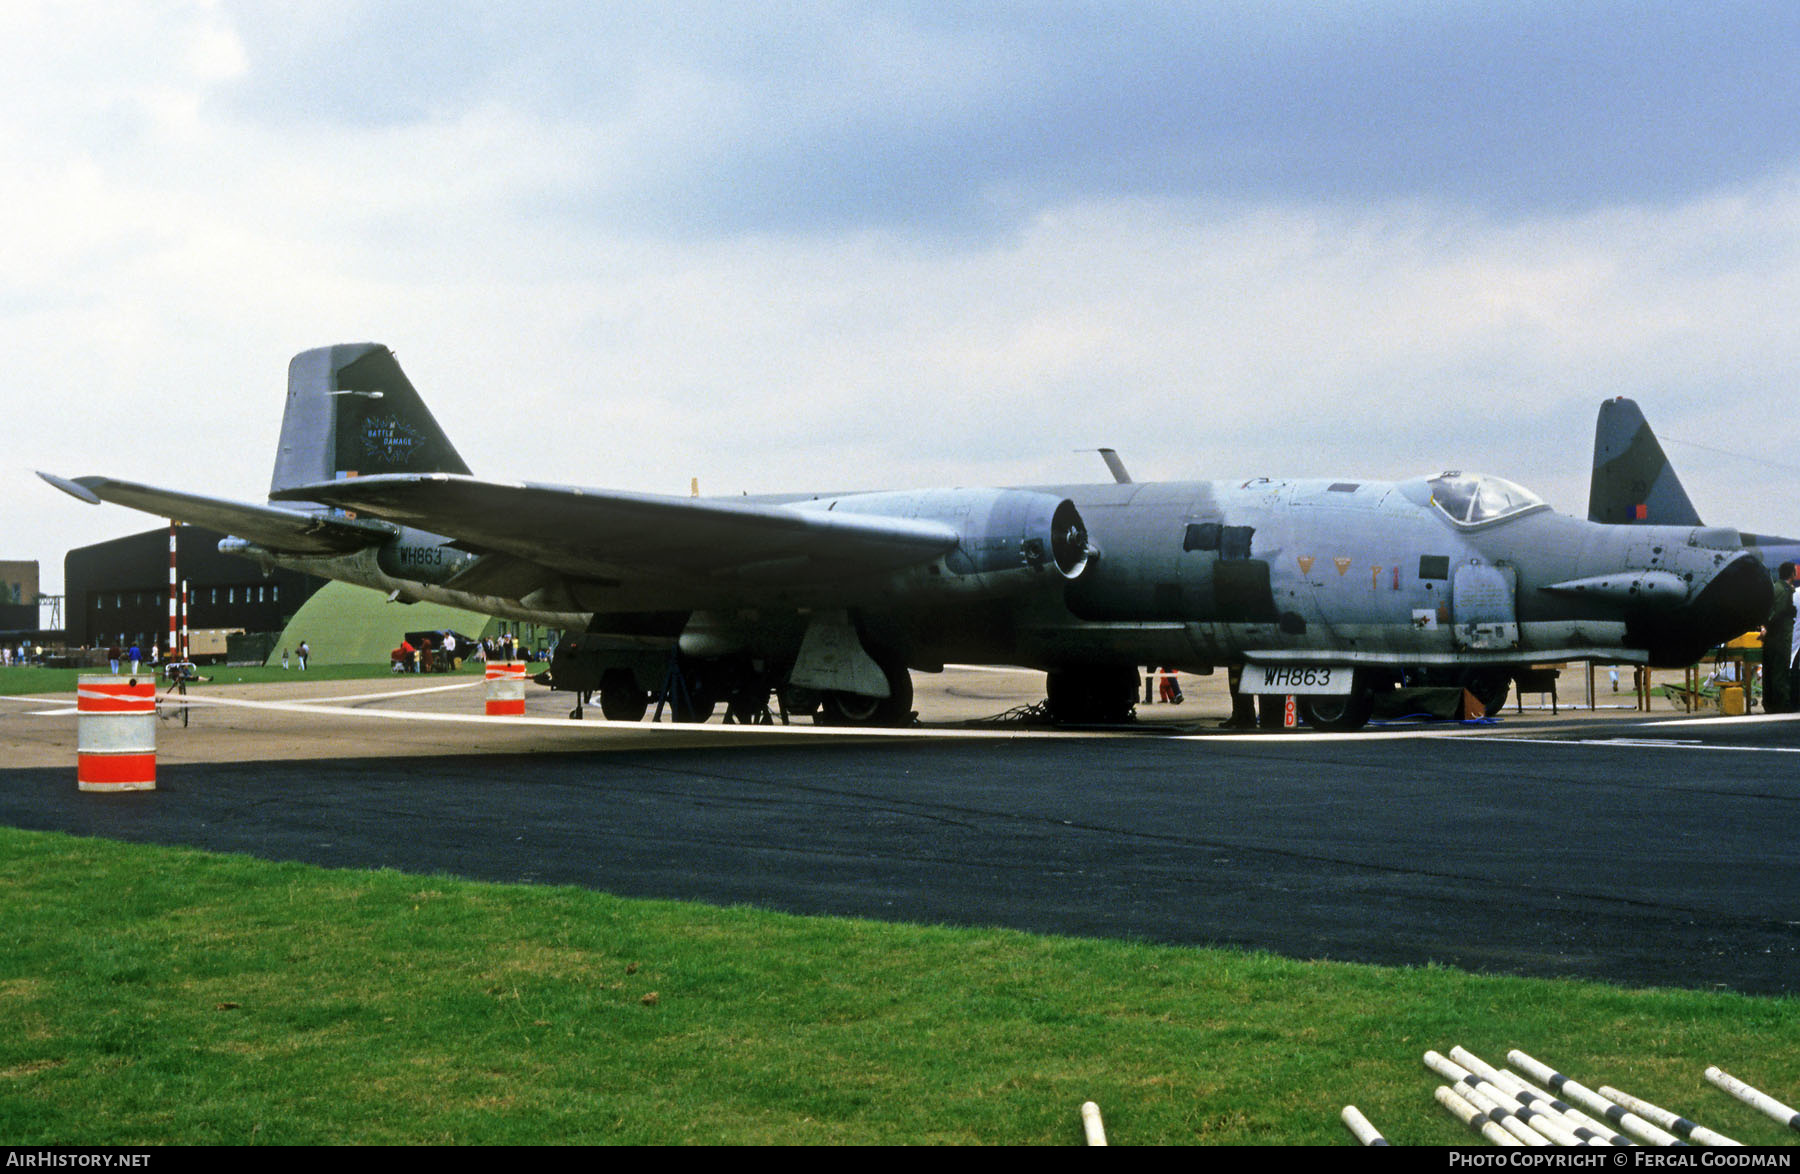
column 167, row 996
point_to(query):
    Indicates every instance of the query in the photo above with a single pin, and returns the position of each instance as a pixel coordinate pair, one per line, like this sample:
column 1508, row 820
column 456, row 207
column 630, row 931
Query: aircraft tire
column 691, row 710
column 1337, row 714
column 854, row 709
column 692, row 692
column 620, row 698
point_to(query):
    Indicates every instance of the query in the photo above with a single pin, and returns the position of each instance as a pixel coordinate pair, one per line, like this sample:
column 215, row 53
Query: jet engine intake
column 999, row 530
column 1729, row 602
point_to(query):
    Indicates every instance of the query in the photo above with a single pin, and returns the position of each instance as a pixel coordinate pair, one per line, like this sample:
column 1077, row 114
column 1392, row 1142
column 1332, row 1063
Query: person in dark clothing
column 1778, row 644
column 1243, row 705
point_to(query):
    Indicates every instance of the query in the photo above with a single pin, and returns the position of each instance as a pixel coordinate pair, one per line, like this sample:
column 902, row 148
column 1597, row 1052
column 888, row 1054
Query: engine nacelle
column 1000, row 531
column 422, row 557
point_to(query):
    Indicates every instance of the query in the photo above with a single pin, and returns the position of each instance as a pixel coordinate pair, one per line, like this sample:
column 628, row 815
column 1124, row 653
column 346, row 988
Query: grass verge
column 169, row 996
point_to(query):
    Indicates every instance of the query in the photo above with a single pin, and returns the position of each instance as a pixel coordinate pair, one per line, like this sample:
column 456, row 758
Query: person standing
column 1243, row 705
column 302, row 653
column 1777, row 645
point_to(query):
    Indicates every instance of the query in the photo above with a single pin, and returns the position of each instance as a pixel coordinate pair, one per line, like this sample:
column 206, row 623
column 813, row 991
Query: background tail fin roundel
column 351, row 411
column 1632, row 481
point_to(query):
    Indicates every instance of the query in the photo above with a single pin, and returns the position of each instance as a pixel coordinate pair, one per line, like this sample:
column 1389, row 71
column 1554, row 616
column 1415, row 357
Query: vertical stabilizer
column 1633, row 483
column 350, row 412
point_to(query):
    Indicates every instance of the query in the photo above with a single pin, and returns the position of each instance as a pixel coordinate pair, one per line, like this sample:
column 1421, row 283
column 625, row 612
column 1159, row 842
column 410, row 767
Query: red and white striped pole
column 185, row 617
column 173, row 587
column 115, row 733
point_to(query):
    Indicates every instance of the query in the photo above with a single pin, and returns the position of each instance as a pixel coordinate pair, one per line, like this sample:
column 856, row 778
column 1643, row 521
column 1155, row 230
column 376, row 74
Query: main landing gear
column 855, row 709
column 693, row 689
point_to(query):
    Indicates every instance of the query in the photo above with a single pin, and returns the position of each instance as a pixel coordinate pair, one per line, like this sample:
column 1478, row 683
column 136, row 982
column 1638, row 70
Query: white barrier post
column 115, row 736
column 1539, row 1116
column 1498, row 1109
column 1091, row 1123
column 1673, row 1122
column 1592, row 1101
column 506, row 689
column 1761, row 1102
column 1474, row 1118
column 1365, row 1133
column 1584, row 1126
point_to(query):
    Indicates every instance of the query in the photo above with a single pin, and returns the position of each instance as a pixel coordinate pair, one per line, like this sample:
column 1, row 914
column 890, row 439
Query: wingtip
column 73, row 488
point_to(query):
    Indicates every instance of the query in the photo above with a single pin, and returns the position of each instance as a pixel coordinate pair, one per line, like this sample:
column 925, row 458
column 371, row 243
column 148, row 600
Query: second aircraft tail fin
column 351, row 411
column 1633, row 481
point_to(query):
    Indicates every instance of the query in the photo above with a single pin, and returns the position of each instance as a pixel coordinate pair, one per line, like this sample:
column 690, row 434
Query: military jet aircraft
column 1324, row 589
column 1633, row 483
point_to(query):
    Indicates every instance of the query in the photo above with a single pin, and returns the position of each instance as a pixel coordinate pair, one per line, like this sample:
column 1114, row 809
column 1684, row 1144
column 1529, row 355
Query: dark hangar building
column 118, row 591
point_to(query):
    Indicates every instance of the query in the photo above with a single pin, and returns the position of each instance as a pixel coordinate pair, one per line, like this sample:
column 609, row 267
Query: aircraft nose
column 1735, row 600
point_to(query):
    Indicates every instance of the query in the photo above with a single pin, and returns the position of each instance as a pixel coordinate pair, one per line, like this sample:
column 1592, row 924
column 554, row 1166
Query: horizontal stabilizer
column 601, row 533
column 285, row 531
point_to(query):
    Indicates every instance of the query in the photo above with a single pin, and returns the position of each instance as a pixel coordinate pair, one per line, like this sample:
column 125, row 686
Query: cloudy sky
column 782, row 246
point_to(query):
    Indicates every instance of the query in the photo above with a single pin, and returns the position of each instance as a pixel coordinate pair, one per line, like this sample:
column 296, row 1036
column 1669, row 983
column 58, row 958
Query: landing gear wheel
column 620, row 698
column 855, row 709
column 691, row 707
column 1349, row 711
column 690, row 691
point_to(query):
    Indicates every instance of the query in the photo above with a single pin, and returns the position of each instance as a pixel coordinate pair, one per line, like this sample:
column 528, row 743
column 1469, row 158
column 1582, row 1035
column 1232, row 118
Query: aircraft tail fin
column 351, row 411
column 1633, row 482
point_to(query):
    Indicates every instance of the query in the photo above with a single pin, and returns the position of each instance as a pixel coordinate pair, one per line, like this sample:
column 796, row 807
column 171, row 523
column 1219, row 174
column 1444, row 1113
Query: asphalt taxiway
column 1638, row 849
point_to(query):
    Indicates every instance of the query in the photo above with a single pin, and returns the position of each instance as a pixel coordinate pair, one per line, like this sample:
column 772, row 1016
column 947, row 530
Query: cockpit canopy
column 1469, row 499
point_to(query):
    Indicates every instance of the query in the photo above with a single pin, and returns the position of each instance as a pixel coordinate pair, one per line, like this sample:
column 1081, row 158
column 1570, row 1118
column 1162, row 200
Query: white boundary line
column 601, row 726
column 337, row 706
column 66, row 708
column 384, row 696
column 1362, row 735
column 1752, row 719
column 1652, row 743
column 64, row 702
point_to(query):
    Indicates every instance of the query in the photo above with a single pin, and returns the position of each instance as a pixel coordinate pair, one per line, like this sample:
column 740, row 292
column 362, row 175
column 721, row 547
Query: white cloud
column 170, row 251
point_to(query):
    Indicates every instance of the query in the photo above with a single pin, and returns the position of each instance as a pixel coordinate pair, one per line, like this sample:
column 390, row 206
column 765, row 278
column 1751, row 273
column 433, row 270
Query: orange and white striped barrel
column 115, row 735
column 506, row 689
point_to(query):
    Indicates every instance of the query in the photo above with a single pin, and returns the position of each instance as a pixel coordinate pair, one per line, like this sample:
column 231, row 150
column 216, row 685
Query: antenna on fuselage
column 1115, row 466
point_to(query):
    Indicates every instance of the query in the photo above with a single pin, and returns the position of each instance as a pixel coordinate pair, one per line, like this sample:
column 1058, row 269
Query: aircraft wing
column 604, row 534
column 288, row 531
